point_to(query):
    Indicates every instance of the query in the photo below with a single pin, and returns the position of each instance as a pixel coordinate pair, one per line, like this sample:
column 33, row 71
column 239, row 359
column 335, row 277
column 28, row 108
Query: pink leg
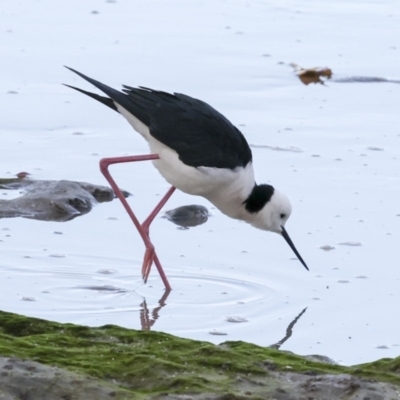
column 150, row 254
column 143, row 229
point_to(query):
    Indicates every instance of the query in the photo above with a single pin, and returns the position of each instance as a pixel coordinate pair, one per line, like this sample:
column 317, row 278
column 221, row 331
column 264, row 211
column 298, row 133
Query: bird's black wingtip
column 102, row 99
column 71, row 69
column 79, row 73
column 72, row 87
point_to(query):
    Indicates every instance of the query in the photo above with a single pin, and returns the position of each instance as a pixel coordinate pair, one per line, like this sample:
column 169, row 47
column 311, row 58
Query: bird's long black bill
column 290, row 243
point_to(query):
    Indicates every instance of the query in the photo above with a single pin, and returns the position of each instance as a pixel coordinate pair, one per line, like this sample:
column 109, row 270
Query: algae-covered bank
column 47, row 360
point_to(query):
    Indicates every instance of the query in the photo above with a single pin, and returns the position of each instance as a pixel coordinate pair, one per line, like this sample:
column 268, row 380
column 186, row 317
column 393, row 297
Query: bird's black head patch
column 260, row 195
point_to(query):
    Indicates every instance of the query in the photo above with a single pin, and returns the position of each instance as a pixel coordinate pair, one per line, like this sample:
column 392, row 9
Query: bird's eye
column 283, row 216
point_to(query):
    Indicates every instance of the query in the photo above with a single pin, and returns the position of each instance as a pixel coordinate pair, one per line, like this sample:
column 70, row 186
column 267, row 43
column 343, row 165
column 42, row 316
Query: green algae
column 146, row 362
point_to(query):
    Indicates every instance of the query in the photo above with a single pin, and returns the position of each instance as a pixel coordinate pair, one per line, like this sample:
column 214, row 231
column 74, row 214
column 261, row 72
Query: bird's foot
column 149, row 257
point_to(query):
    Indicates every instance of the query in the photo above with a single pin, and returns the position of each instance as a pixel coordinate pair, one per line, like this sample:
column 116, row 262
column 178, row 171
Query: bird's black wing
column 200, row 135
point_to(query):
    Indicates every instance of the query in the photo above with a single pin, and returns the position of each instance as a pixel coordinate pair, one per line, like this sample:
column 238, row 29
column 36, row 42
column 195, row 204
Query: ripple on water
column 99, row 290
column 117, row 293
column 208, row 290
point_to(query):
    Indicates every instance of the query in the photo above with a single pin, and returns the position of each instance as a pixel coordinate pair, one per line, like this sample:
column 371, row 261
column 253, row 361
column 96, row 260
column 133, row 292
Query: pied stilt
column 197, row 150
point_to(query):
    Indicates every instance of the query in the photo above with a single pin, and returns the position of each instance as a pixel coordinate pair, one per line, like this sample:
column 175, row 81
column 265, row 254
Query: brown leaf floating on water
column 312, row 75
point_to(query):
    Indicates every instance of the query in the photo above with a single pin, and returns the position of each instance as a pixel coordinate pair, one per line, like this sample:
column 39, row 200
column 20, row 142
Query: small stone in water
column 350, row 244
column 326, row 247
column 28, row 299
column 106, row 271
column 188, row 216
column 217, row 333
column 236, row 319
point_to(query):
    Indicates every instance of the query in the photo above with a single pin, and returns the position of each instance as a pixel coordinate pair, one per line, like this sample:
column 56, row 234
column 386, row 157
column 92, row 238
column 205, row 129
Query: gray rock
column 188, row 216
column 29, row 380
column 52, row 200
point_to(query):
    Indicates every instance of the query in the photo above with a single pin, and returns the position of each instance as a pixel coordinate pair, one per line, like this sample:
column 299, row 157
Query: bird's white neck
column 233, row 191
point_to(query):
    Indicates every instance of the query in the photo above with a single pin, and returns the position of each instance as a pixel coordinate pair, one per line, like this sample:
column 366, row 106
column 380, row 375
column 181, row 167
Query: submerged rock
column 188, row 216
column 52, row 200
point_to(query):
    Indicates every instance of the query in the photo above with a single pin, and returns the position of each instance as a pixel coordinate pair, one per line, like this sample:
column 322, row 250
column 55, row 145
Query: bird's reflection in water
column 289, row 332
column 147, row 320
